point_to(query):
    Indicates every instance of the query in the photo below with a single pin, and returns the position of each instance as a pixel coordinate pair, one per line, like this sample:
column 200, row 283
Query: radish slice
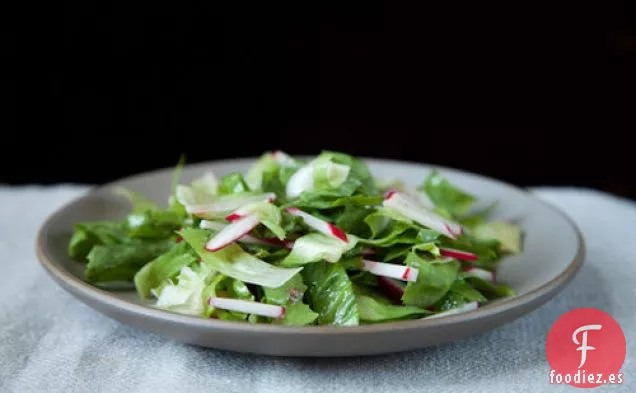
column 393, row 289
column 229, row 204
column 318, row 224
column 416, row 212
column 243, row 211
column 247, row 238
column 232, row 233
column 464, row 308
column 458, row 254
column 248, row 307
column 391, row 270
column 482, row 273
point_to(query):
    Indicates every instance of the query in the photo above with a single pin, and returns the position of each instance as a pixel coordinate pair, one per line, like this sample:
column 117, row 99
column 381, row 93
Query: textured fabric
column 50, row 342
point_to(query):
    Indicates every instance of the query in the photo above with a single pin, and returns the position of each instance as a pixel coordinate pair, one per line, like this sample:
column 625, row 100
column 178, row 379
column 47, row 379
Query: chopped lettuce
column 330, row 293
column 446, row 196
column 286, row 271
column 315, row 247
column 234, row 262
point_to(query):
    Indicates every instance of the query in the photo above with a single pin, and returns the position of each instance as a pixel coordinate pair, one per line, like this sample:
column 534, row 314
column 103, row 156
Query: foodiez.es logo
column 586, row 348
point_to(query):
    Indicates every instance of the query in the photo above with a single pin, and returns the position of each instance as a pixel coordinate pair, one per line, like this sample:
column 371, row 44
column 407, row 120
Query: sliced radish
column 391, row 270
column 393, row 289
column 481, row 273
column 247, row 238
column 319, row 225
column 232, row 233
column 464, row 308
column 418, row 213
column 248, row 307
column 458, row 254
column 229, row 204
column 243, row 211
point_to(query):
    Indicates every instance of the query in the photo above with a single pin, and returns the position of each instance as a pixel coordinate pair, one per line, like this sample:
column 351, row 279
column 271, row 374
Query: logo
column 586, row 348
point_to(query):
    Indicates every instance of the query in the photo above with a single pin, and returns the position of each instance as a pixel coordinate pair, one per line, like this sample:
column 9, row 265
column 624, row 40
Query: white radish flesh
column 230, row 204
column 248, row 307
column 232, row 233
column 482, row 273
column 399, row 272
column 416, row 212
column 319, row 225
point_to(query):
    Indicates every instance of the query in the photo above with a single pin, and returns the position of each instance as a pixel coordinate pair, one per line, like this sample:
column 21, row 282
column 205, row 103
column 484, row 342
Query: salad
column 303, row 242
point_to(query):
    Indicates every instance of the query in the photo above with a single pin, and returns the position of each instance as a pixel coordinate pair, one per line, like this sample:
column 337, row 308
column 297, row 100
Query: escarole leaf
column 446, row 196
column 290, row 295
column 234, row 262
column 330, row 294
column 164, row 267
column 315, row 247
column 433, row 281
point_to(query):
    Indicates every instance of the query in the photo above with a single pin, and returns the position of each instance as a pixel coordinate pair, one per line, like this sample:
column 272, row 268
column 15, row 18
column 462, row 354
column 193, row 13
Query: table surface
column 51, row 342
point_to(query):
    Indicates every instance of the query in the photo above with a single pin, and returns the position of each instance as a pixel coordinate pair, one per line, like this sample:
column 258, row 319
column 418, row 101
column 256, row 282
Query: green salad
column 318, row 241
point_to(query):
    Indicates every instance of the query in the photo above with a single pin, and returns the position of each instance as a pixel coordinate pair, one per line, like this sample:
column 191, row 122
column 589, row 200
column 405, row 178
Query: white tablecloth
column 50, row 342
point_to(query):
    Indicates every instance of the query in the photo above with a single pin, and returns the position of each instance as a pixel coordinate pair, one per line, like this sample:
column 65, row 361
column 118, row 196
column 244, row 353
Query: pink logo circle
column 586, row 348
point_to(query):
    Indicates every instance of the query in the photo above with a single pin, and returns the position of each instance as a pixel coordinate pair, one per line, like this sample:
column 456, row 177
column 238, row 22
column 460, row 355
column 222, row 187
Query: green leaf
column 290, row 295
column 371, row 310
column 164, row 267
column 506, row 234
column 120, row 262
column 270, row 216
column 315, row 247
column 89, row 234
column 234, row 262
column 433, row 281
column 330, row 294
column 446, row 196
column 298, row 314
column 140, row 203
column 184, row 294
column 490, row 290
column 467, row 292
column 232, row 183
column 153, row 224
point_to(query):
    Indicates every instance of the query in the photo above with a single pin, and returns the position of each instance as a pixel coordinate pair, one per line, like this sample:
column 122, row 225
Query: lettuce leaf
column 315, row 247
column 506, row 234
column 330, row 294
column 233, row 183
column 372, row 310
column 86, row 235
column 164, row 267
column 234, row 262
column 184, row 295
column 446, row 196
column 120, row 262
column 290, row 295
column 433, row 281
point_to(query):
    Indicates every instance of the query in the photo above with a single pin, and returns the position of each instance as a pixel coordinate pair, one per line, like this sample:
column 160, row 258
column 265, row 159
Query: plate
column 552, row 255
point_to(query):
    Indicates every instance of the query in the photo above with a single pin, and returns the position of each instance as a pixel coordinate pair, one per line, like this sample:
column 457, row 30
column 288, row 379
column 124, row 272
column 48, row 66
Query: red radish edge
column 453, row 253
column 337, row 232
column 407, row 271
column 308, row 218
column 389, row 194
column 233, row 217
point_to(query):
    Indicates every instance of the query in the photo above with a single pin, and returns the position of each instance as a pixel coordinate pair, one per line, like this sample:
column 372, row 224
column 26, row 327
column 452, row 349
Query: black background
column 535, row 95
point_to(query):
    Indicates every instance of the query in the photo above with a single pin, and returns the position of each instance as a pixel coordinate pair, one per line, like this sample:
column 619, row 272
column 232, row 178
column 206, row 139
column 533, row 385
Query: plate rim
column 77, row 286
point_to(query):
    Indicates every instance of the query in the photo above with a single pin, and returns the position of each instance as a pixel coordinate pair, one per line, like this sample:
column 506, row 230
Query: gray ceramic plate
column 553, row 253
